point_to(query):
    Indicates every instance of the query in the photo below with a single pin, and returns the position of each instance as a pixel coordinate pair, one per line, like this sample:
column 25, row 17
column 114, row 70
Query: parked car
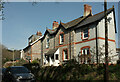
column 3, row 72
column 18, row 74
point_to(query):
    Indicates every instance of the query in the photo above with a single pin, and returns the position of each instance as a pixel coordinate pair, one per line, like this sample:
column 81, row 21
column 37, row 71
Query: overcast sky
column 22, row 19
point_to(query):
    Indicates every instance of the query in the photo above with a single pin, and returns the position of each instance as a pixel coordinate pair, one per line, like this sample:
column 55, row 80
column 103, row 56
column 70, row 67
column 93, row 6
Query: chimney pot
column 55, row 24
column 87, row 10
column 39, row 33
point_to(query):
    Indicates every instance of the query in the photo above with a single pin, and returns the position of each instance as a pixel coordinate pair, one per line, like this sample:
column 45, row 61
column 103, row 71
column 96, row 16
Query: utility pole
column 13, row 57
column 96, row 45
column 106, row 42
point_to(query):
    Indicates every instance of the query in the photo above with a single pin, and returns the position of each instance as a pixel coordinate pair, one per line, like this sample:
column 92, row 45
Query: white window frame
column 47, row 43
column 61, row 42
column 85, row 33
column 65, row 54
column 86, row 49
column 56, row 57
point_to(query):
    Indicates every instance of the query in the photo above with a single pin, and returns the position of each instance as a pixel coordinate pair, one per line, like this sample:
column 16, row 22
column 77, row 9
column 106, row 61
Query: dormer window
column 47, row 43
column 61, row 38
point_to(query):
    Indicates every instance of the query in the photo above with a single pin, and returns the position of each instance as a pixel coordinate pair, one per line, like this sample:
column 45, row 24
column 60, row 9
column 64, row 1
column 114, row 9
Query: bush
column 20, row 62
column 100, row 69
column 35, row 61
column 115, row 69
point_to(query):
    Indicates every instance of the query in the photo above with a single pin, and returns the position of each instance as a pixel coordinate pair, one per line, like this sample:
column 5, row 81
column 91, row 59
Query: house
column 82, row 39
column 32, row 51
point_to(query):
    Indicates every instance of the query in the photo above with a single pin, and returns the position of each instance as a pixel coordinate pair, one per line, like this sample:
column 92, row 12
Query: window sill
column 47, row 48
column 85, row 38
column 65, row 60
column 61, row 44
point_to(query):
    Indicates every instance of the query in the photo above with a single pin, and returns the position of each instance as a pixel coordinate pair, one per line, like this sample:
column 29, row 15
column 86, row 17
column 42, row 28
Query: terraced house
column 82, row 39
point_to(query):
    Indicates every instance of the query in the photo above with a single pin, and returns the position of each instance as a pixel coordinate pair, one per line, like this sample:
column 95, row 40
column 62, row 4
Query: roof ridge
column 100, row 12
column 74, row 19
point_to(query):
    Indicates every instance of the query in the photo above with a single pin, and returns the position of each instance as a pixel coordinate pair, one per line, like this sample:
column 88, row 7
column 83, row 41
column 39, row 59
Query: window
column 47, row 58
column 52, row 57
column 56, row 56
column 65, row 54
column 61, row 38
column 85, row 51
column 85, row 34
column 47, row 43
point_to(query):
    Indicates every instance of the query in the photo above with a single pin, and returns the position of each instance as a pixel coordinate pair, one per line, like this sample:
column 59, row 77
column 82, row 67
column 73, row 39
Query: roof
column 83, row 20
column 52, row 31
column 73, row 22
column 80, row 22
column 51, row 51
column 36, row 40
column 94, row 18
column 32, row 43
column 118, row 49
column 26, row 47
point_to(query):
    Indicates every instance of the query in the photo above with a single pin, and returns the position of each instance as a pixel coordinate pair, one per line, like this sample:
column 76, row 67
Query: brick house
column 80, row 39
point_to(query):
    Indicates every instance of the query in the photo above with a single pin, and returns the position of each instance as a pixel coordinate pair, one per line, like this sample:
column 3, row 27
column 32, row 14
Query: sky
column 22, row 19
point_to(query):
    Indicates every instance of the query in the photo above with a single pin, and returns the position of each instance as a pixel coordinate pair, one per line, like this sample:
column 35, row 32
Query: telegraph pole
column 106, row 42
column 13, row 56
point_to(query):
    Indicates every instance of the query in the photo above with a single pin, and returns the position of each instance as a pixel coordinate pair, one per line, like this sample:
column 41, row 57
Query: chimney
column 55, row 24
column 39, row 33
column 87, row 10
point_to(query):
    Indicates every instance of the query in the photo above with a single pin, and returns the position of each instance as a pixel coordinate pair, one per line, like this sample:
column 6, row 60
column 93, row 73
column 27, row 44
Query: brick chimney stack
column 39, row 33
column 87, row 9
column 55, row 24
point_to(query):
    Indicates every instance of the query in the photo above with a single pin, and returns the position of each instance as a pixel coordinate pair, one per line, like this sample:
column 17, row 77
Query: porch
column 51, row 58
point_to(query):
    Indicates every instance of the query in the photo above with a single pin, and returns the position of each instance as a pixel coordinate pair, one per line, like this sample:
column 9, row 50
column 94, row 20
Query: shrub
column 35, row 61
column 115, row 69
column 100, row 69
column 20, row 62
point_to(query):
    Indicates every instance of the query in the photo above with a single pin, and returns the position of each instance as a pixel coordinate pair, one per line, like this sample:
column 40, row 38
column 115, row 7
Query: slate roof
column 83, row 20
column 94, row 18
column 52, row 31
column 51, row 52
column 73, row 22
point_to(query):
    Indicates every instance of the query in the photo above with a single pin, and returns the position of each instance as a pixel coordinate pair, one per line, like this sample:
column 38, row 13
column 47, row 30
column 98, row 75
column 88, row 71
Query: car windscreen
column 17, row 70
column 3, row 70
